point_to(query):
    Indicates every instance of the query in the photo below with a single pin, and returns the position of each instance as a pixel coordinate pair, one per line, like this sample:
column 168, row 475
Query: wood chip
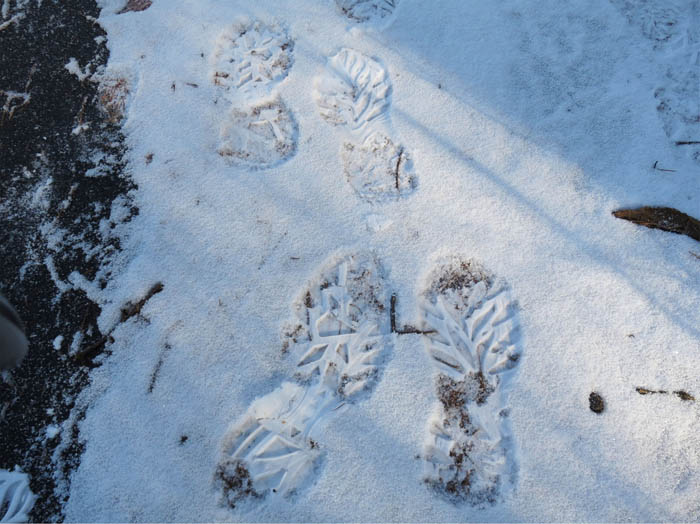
column 664, row 218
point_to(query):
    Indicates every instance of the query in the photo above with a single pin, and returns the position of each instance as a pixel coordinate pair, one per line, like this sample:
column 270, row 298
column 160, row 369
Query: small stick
column 81, row 113
column 85, row 356
column 398, row 164
column 410, row 330
column 683, row 395
column 156, row 370
column 407, row 328
column 662, row 169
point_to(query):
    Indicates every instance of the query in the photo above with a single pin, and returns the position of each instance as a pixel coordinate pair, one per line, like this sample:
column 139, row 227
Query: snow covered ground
column 298, row 163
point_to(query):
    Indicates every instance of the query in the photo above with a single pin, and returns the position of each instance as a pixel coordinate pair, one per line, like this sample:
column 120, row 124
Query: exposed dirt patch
column 113, row 94
column 459, row 484
column 453, row 394
column 459, row 275
column 455, row 397
column 233, row 478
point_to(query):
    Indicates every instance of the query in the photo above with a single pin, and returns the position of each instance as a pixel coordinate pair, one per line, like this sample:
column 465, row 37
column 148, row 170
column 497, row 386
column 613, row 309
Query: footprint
column 659, row 21
column 251, row 57
column 339, row 342
column 378, row 170
column 355, row 91
column 362, row 11
column 16, row 498
column 259, row 135
column 341, row 323
column 270, row 450
column 473, row 348
column 670, row 27
column 354, row 94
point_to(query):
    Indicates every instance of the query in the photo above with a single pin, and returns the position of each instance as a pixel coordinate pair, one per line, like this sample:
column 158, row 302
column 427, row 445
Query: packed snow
column 16, row 497
column 298, row 163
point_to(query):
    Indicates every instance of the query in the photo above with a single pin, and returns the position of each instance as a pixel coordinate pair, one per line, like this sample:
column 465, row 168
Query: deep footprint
column 339, row 342
column 473, row 347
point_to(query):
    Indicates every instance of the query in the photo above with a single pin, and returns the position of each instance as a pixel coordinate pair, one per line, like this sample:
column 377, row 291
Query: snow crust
column 528, row 124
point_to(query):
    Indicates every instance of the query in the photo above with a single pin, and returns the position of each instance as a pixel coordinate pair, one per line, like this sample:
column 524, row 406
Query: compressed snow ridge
column 15, row 496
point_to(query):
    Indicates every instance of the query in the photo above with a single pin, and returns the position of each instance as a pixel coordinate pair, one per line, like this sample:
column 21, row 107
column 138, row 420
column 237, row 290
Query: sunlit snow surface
column 527, row 124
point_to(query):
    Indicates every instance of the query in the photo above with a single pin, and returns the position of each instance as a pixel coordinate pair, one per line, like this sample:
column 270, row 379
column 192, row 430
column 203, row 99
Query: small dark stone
column 596, row 403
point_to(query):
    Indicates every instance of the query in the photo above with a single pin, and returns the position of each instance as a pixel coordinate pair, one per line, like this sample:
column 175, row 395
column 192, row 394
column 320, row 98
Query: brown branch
column 664, row 218
column 133, row 309
column 86, row 355
column 135, row 5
